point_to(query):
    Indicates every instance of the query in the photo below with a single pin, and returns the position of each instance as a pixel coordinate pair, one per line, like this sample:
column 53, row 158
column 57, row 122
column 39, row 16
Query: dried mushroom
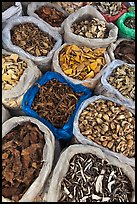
column 55, row 102
column 51, row 15
column 22, row 151
column 130, row 23
column 123, row 79
column 31, row 39
column 12, row 69
column 125, row 51
column 91, row 179
column 109, row 125
column 81, row 62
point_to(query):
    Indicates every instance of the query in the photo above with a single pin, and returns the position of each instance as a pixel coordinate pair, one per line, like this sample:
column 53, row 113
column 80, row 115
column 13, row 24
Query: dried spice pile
column 51, row 15
column 90, row 28
column 22, row 150
column 125, row 51
column 6, row 5
column 31, row 39
column 109, row 125
column 109, row 8
column 81, row 62
column 91, row 179
column 12, row 69
column 55, row 102
column 130, row 23
column 123, row 79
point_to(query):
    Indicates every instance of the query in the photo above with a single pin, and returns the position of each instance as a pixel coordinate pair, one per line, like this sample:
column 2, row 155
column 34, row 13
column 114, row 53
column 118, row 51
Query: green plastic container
column 125, row 32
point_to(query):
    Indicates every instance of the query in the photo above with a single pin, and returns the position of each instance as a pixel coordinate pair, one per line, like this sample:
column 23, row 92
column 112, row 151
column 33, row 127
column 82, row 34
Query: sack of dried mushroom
column 10, row 10
column 18, row 74
column 80, row 64
column 106, row 123
column 86, row 174
column 88, row 27
column 27, row 155
column 5, row 114
column 118, row 81
column 50, row 14
column 31, row 38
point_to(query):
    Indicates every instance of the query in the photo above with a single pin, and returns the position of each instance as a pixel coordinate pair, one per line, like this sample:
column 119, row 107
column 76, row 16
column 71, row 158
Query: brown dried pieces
column 130, row 23
column 91, row 179
column 110, row 125
column 51, row 15
column 90, row 28
column 125, row 51
column 31, row 39
column 123, row 79
column 109, row 8
column 81, row 62
column 12, row 69
column 55, row 102
column 22, row 151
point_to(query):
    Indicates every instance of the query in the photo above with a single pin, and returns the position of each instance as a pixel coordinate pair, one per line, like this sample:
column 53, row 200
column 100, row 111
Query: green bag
column 125, row 32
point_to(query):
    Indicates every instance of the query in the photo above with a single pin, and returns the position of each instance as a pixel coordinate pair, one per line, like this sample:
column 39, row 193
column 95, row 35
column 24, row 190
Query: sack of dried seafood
column 86, row 174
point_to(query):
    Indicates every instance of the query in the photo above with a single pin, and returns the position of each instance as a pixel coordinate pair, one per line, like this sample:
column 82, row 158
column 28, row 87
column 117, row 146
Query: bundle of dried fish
column 6, row 5
column 55, row 102
column 81, row 62
column 125, row 51
column 109, row 125
column 91, row 179
column 130, row 23
column 123, row 79
column 51, row 15
column 12, row 69
column 90, row 28
column 109, row 8
column 22, row 150
column 31, row 39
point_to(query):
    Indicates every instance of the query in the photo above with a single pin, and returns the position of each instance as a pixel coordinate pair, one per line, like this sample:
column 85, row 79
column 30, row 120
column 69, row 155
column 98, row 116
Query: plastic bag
column 32, row 7
column 79, row 40
column 42, row 61
column 63, row 165
column 106, row 89
column 48, row 155
column 114, row 18
column 5, row 114
column 125, row 32
column 12, row 98
column 11, row 13
column 113, row 46
column 64, row 133
column 89, row 83
column 84, row 140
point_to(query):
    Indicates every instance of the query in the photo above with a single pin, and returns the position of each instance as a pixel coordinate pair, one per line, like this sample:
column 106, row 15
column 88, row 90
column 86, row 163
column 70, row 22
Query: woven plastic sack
column 106, row 89
column 89, row 83
column 11, row 13
column 48, row 155
column 64, row 133
column 79, row 40
column 114, row 18
column 5, row 114
column 125, row 32
column 113, row 46
column 32, row 7
column 63, row 166
column 42, row 61
column 12, row 98
column 82, row 139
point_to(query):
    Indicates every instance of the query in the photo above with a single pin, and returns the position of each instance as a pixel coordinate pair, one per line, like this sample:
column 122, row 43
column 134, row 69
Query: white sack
column 5, row 114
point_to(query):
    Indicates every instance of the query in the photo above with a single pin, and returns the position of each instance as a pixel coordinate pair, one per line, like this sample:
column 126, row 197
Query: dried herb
column 22, row 151
column 125, row 51
column 91, row 179
column 81, row 62
column 130, row 23
column 31, row 39
column 6, row 5
column 55, row 102
column 51, row 15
